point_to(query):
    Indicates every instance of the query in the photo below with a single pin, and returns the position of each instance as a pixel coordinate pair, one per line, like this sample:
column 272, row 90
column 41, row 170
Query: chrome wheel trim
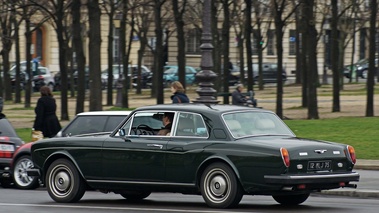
column 20, row 176
column 217, row 185
column 61, row 181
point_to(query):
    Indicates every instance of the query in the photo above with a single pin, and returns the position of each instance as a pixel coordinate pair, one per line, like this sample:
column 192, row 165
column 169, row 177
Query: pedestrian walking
column 179, row 95
column 46, row 119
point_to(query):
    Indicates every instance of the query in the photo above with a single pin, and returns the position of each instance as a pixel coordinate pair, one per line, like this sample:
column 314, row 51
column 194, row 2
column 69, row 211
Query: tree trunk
column 159, row 49
column 225, row 50
column 110, row 57
column 335, row 53
column 80, row 58
column 95, row 102
column 124, row 56
column 181, row 57
column 312, row 61
column 372, row 68
column 248, row 30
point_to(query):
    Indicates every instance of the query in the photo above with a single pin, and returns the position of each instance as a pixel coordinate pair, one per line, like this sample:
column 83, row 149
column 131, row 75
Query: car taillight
column 40, row 77
column 6, row 154
column 352, row 155
column 285, row 156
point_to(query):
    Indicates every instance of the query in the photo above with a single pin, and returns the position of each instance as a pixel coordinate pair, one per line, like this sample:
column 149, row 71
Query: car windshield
column 170, row 71
column 252, row 123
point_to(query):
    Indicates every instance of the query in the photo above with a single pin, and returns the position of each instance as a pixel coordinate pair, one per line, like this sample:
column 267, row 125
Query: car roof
column 126, row 112
column 201, row 108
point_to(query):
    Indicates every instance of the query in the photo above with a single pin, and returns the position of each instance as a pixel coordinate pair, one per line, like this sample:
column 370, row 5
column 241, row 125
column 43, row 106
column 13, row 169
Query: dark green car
column 219, row 151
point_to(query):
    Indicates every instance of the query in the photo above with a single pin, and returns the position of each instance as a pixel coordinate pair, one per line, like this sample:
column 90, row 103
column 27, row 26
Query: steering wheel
column 144, row 129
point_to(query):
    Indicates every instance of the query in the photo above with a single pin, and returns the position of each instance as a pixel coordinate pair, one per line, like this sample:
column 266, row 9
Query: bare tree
column 79, row 51
column 110, row 8
column 280, row 7
column 372, row 68
column 179, row 9
column 157, row 5
column 95, row 101
column 225, row 48
column 6, row 16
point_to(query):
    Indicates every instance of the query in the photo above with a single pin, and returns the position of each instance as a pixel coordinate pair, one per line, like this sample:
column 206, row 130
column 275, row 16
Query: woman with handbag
column 179, row 95
column 46, row 119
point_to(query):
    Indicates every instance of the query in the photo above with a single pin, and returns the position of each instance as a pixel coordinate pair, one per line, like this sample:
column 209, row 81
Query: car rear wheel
column 135, row 195
column 63, row 182
column 220, row 187
column 291, row 200
column 20, row 177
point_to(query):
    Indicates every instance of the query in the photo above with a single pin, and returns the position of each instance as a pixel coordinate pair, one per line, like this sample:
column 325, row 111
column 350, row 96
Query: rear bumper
column 311, row 178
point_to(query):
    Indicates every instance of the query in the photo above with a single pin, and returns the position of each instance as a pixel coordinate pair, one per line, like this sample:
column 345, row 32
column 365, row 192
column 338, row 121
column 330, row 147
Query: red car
column 9, row 142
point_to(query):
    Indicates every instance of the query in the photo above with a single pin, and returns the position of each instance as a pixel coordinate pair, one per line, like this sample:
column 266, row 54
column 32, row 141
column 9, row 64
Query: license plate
column 5, row 147
column 319, row 165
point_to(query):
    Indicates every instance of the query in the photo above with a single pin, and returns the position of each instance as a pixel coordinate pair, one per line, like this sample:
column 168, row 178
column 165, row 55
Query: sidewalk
column 368, row 186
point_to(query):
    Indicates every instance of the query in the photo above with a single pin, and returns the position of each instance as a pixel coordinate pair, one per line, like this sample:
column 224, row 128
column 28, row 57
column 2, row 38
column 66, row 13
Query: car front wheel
column 364, row 74
column 63, row 182
column 291, row 200
column 20, row 177
column 220, row 187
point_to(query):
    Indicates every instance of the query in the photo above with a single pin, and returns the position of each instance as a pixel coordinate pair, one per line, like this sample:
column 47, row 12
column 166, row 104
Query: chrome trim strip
column 143, row 183
column 310, row 177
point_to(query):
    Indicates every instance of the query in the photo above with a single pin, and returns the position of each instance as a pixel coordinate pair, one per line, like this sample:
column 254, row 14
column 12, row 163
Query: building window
column 271, row 42
column 193, row 41
column 254, row 38
column 292, row 42
column 116, row 45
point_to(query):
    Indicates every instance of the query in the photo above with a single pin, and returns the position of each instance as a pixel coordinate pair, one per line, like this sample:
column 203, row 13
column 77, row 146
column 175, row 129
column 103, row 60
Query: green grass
column 361, row 133
column 25, row 134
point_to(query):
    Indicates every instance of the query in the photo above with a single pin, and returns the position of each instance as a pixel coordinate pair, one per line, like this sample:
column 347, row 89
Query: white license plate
column 6, row 147
column 319, row 165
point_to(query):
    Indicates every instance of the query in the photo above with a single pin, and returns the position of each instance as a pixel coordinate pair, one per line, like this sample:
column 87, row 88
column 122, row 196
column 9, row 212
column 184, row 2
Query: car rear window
column 6, row 129
column 93, row 124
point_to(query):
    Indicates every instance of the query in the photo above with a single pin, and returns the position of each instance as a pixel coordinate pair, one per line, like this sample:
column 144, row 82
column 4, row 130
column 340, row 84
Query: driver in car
column 167, row 119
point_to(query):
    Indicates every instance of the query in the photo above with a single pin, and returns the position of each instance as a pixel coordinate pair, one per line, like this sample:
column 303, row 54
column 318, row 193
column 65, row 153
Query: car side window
column 192, row 125
column 146, row 123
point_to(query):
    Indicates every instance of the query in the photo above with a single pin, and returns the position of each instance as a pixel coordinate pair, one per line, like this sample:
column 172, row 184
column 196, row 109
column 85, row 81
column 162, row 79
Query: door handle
column 155, row 145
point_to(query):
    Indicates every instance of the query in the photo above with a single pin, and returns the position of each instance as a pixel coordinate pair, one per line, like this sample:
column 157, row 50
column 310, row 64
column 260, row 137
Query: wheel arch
column 215, row 159
column 55, row 156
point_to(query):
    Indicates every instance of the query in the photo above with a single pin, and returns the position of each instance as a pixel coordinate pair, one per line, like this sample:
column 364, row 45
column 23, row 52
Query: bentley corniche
column 221, row 152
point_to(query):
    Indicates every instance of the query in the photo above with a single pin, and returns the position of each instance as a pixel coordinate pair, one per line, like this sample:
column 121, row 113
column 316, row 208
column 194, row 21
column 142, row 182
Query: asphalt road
column 38, row 201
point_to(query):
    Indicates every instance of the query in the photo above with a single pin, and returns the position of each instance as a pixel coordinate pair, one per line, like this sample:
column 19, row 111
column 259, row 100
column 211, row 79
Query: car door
column 136, row 157
column 185, row 149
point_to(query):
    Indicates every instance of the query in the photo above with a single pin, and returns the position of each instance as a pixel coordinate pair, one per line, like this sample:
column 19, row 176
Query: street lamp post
column 206, row 75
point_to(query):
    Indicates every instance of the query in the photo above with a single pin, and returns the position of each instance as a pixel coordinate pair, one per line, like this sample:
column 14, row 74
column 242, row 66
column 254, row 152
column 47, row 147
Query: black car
column 9, row 142
column 221, row 152
column 58, row 81
column 270, row 71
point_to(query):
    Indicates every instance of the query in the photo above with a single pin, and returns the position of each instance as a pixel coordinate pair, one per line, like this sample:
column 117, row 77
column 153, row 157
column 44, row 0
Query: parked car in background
column 170, row 75
column 58, row 81
column 270, row 71
column 360, row 68
column 84, row 123
column 43, row 77
column 221, row 152
column 9, row 143
column 146, row 75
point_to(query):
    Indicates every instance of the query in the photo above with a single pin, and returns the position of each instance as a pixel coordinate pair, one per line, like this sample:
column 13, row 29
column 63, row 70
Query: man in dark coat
column 46, row 119
column 237, row 97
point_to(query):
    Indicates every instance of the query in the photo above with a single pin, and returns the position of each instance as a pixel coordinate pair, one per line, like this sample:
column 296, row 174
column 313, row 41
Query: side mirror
column 121, row 132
